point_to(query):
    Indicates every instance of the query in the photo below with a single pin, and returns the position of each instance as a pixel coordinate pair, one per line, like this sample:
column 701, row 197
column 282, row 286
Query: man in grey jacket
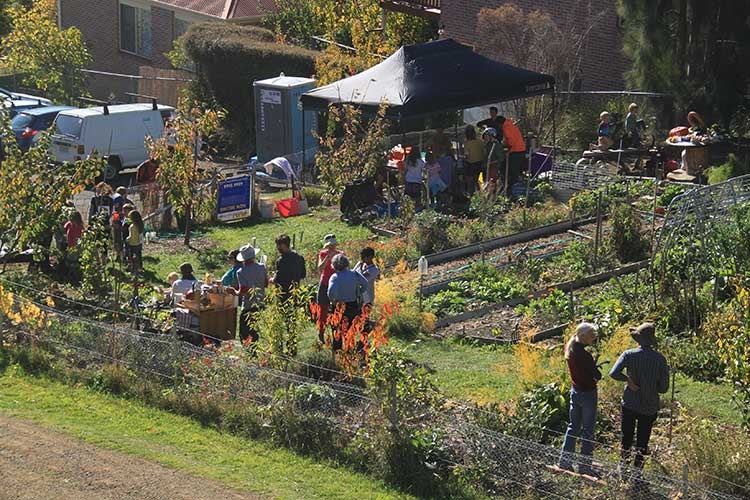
column 647, row 376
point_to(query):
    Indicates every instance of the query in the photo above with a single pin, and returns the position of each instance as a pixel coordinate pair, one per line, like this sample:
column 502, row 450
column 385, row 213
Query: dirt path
column 37, row 463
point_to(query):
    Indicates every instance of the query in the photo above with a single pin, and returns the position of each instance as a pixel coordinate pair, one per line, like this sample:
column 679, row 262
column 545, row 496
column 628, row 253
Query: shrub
column 717, row 456
column 431, row 231
column 625, row 238
column 731, row 168
column 314, row 196
column 406, row 323
column 231, row 57
column 695, row 355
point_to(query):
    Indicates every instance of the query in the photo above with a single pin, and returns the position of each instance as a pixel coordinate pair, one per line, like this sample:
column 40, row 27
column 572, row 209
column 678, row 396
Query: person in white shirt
column 367, row 268
column 186, row 283
column 413, row 178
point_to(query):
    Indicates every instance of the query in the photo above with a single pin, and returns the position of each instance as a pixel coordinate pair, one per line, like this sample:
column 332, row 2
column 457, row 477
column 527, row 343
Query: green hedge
column 230, row 58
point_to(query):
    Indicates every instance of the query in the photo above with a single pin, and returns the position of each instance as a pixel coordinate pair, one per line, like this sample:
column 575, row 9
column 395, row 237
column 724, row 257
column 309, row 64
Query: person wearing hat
column 583, row 399
column 325, row 267
column 252, row 279
column 345, row 290
column 605, row 133
column 647, row 375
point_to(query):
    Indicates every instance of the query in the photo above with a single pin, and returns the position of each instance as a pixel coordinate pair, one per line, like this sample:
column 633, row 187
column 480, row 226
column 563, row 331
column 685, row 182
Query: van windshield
column 69, row 126
column 21, row 121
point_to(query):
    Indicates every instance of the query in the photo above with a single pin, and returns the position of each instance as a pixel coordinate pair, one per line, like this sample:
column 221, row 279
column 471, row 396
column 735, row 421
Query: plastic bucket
column 288, row 207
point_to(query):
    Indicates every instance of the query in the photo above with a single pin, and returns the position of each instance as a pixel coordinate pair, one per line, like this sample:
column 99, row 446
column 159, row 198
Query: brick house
column 603, row 63
column 131, row 37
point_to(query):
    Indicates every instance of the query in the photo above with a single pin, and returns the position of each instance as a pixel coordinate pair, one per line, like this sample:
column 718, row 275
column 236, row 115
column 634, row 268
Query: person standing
column 493, row 154
column 583, row 399
column 513, row 140
column 367, row 268
column 230, row 277
column 413, row 177
column 435, row 182
column 102, row 204
column 440, row 145
column 492, row 121
column 604, row 132
column 253, row 280
column 647, row 376
column 73, row 230
column 632, row 131
column 345, row 290
column 474, row 156
column 290, row 266
column 325, row 257
column 134, row 241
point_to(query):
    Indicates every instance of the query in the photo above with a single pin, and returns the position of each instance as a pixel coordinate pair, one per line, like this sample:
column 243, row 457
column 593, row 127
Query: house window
column 180, row 27
column 135, row 30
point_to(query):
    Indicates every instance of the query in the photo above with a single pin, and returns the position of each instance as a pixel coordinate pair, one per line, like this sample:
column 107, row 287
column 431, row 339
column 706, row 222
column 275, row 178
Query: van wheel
column 112, row 168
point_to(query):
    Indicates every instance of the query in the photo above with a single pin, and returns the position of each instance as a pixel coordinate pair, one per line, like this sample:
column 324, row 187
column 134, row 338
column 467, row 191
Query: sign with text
column 234, row 198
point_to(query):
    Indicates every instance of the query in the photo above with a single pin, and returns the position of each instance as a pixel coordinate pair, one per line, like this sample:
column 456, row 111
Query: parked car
column 16, row 102
column 27, row 124
column 117, row 132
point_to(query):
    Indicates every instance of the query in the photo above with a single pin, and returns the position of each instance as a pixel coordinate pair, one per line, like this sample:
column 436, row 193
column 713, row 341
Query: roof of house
column 225, row 9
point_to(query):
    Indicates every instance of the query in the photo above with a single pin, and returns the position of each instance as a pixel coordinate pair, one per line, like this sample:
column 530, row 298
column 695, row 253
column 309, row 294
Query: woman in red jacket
column 583, row 399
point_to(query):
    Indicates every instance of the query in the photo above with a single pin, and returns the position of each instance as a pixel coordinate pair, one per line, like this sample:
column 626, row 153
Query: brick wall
column 603, row 63
column 99, row 23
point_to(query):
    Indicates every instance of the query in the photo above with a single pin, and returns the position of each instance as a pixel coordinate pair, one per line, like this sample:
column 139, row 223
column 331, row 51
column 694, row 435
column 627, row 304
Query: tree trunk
column 188, row 223
column 682, row 37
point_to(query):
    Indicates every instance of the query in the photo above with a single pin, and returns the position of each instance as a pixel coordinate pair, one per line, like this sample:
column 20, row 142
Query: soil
column 39, row 463
column 501, row 324
column 559, row 241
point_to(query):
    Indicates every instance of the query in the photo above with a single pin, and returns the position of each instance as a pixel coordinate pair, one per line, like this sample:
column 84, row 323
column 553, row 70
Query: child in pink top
column 434, row 181
column 74, row 229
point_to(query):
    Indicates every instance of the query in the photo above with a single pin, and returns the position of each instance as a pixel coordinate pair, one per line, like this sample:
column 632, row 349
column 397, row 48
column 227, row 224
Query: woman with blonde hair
column 583, row 399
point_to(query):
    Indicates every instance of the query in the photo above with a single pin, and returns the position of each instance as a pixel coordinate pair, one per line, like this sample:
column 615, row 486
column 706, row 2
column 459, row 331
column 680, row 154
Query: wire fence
column 508, row 466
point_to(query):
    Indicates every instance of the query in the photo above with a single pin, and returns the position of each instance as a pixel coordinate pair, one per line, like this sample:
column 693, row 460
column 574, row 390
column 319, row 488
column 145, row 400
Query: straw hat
column 644, row 334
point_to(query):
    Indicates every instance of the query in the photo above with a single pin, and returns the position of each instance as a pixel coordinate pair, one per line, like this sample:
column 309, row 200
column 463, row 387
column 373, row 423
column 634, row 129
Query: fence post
column 684, row 481
column 597, row 235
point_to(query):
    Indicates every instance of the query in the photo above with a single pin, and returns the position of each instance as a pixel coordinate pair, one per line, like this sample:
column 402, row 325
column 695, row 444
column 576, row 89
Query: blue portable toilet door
column 271, row 133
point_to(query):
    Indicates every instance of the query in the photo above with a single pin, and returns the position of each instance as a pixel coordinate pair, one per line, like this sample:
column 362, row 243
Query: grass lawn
column 180, row 442
column 165, row 256
column 706, row 400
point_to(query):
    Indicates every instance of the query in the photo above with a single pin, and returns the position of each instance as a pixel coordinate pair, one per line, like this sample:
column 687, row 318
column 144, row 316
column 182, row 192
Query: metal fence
column 509, row 467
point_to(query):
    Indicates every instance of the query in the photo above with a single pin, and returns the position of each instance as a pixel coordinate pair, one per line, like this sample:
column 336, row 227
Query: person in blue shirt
column 647, row 375
column 230, row 277
column 345, row 290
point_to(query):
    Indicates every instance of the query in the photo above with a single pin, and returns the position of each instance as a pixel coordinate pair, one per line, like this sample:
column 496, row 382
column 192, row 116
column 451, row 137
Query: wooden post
column 572, row 303
column 671, row 407
column 597, row 237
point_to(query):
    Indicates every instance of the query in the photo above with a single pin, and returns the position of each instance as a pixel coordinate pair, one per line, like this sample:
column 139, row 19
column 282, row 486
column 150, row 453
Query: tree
column 177, row 154
column 535, row 41
column 690, row 49
column 33, row 192
column 50, row 58
column 356, row 152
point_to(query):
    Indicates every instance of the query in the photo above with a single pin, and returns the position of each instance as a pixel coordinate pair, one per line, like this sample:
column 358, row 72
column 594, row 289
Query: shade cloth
column 428, row 78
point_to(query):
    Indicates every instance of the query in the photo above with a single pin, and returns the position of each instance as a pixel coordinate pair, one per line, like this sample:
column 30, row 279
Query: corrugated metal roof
column 225, row 9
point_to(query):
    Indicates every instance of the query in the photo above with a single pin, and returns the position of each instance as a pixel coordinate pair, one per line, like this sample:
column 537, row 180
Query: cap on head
column 122, row 190
column 330, row 239
column 246, row 253
column 489, row 131
column 603, row 115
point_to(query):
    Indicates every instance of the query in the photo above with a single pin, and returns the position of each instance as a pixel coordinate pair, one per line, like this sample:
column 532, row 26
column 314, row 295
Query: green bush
column 625, row 238
column 731, row 168
column 405, row 324
column 314, row 196
column 431, row 231
column 231, row 57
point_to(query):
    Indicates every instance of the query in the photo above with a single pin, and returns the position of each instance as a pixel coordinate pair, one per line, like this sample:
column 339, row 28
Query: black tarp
column 429, row 78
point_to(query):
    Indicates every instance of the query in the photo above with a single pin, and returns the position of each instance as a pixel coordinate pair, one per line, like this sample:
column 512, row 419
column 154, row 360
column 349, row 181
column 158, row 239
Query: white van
column 117, row 132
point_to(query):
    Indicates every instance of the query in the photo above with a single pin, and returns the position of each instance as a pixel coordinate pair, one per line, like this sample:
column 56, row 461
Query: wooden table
column 218, row 320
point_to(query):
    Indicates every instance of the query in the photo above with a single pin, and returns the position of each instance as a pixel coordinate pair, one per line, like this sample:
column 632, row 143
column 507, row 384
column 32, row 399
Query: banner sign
column 234, row 198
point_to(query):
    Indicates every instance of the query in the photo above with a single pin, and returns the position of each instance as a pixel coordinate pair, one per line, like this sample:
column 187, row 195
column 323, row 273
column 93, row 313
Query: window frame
column 136, row 5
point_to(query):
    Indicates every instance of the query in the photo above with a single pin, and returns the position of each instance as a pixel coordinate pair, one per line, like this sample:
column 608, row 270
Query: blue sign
column 234, row 198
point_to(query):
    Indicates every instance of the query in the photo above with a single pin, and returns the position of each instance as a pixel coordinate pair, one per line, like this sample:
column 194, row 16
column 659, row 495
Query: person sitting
column 442, row 147
column 230, row 277
column 605, row 132
column 187, row 282
column 492, row 121
column 345, row 290
column 413, row 178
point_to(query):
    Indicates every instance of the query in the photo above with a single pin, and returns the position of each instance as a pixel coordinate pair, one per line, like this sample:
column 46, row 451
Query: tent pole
column 454, row 177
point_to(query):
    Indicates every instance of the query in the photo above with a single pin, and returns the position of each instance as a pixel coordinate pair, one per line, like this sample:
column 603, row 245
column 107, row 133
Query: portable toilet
column 280, row 121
